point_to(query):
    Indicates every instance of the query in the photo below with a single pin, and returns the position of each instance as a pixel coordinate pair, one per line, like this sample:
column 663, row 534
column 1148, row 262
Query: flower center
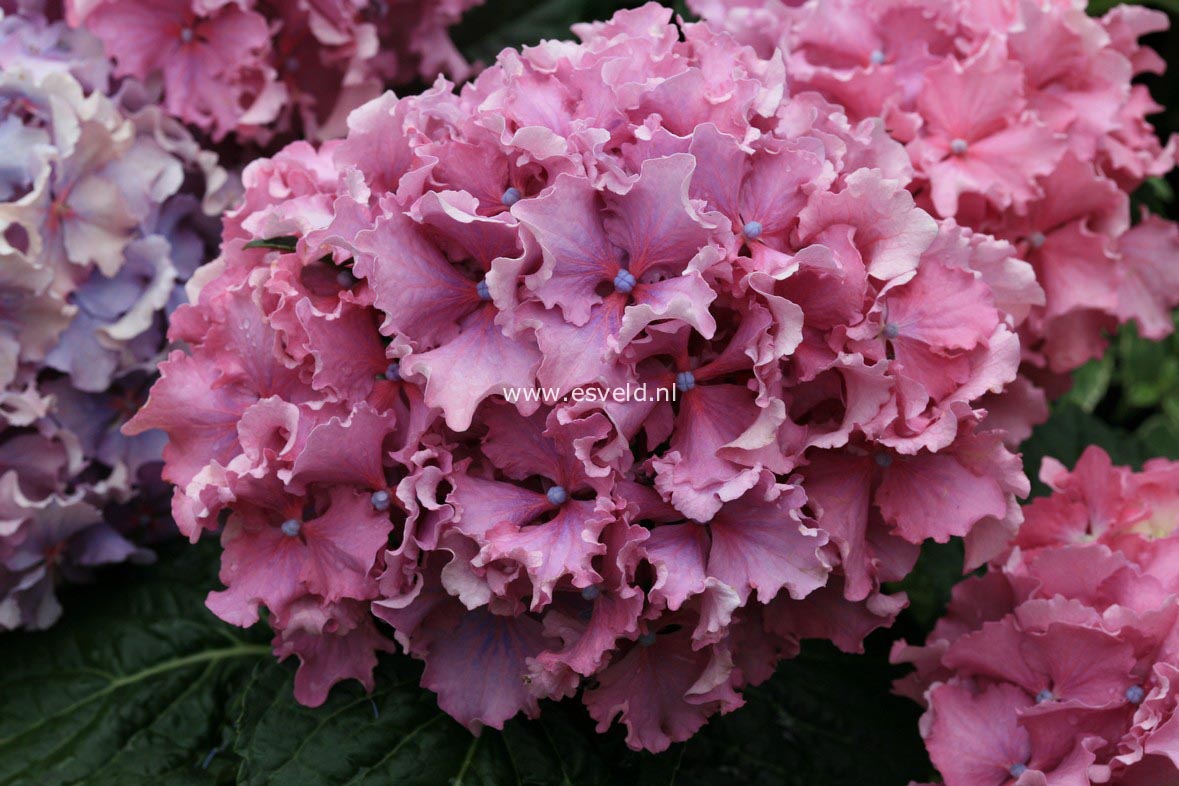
column 647, row 639
column 752, row 230
column 891, row 330
column 511, row 197
column 393, row 372
column 1017, row 769
column 291, row 528
column 883, row 460
column 959, row 147
column 557, row 495
column 1044, row 696
column 625, row 282
column 591, row 593
column 186, row 35
column 1135, row 694
column 685, row 381
column 381, row 500
column 1037, row 239
column 482, row 290
column 878, row 57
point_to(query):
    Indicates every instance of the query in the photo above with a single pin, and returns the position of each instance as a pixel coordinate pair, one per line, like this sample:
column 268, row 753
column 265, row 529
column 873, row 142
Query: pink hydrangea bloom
column 257, row 70
column 97, row 235
column 1022, row 122
column 442, row 388
column 1059, row 665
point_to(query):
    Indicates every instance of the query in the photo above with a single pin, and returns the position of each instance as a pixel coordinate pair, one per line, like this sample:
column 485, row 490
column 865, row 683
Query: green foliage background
column 139, row 684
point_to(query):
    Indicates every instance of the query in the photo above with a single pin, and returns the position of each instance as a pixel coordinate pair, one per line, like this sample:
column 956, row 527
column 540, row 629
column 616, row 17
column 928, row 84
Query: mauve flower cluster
column 428, row 383
column 98, row 231
column 1022, row 121
column 1061, row 664
column 254, row 68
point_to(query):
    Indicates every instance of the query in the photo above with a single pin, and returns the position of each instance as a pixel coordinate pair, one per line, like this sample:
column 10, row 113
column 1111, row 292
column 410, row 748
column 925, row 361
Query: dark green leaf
column 1098, row 7
column 928, row 586
column 489, row 28
column 287, row 243
column 129, row 687
column 1066, row 435
column 825, row 718
column 1091, row 383
column 140, row 684
column 794, row 730
column 398, row 735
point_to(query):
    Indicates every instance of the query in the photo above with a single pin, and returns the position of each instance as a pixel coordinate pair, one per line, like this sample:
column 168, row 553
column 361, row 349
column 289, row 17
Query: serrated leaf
column 129, row 687
column 285, row 243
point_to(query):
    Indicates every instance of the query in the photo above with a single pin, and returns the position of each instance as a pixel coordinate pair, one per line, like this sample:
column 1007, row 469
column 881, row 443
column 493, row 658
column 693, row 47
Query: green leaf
column 1066, row 435
column 139, row 683
column 796, row 730
column 1099, row 7
column 1147, row 371
column 1091, row 383
column 1160, row 189
column 487, row 29
column 826, row 717
column 398, row 735
column 129, row 687
column 286, row 243
column 929, row 584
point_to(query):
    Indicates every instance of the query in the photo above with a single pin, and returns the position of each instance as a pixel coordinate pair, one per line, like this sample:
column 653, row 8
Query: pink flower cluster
column 647, row 209
column 1022, row 121
column 1061, row 664
column 255, row 69
column 97, row 234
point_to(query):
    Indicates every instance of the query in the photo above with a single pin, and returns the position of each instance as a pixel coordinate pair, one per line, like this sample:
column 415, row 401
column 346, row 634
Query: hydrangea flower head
column 255, row 69
column 1059, row 664
column 97, row 234
column 615, row 373
column 1022, row 121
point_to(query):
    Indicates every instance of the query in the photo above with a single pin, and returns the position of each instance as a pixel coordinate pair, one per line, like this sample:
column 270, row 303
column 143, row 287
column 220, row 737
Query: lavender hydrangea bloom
column 103, row 208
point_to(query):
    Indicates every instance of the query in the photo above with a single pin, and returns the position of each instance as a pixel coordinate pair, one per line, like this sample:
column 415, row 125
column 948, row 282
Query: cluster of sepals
column 649, row 207
column 1061, row 664
column 101, row 222
column 1022, row 121
column 260, row 70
